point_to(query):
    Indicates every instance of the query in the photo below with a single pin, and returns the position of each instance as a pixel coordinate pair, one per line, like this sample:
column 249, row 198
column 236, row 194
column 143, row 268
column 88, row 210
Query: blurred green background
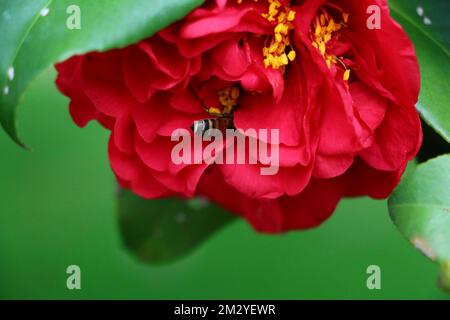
column 57, row 208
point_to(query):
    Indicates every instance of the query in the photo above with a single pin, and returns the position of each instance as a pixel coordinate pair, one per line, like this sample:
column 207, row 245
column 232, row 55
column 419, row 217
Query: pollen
column 228, row 98
column 278, row 51
column 275, row 55
column 323, row 30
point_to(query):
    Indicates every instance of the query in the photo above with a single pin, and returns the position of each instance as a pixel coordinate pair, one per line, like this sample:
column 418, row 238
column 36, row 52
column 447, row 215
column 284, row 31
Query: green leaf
column 35, row 36
column 428, row 26
column 160, row 231
column 420, row 208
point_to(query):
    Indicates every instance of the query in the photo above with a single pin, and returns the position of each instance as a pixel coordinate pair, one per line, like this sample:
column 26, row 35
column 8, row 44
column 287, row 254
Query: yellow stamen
column 291, row 15
column 275, row 55
column 324, row 27
column 292, row 55
column 345, row 16
column 347, row 75
column 228, row 98
column 235, row 93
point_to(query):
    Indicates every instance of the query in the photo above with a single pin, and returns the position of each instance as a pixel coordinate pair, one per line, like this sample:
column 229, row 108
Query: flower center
column 275, row 55
column 323, row 30
column 278, row 51
column 228, row 98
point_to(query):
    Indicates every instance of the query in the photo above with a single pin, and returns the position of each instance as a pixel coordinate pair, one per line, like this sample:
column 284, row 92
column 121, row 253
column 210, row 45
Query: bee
column 221, row 119
column 220, row 122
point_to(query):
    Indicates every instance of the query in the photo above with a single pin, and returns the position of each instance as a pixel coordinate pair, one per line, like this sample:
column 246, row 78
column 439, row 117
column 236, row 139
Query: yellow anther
column 278, row 38
column 345, row 16
column 235, row 93
column 347, row 74
column 330, row 25
column 322, row 19
column 318, row 30
column 214, row 111
column 275, row 54
column 284, row 59
column 278, row 28
column 322, row 31
column 292, row 55
column 281, row 48
column 322, row 48
column 291, row 15
column 228, row 98
column 273, row 47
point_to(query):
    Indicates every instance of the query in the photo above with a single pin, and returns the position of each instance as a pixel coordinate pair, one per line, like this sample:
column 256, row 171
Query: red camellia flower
column 341, row 94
